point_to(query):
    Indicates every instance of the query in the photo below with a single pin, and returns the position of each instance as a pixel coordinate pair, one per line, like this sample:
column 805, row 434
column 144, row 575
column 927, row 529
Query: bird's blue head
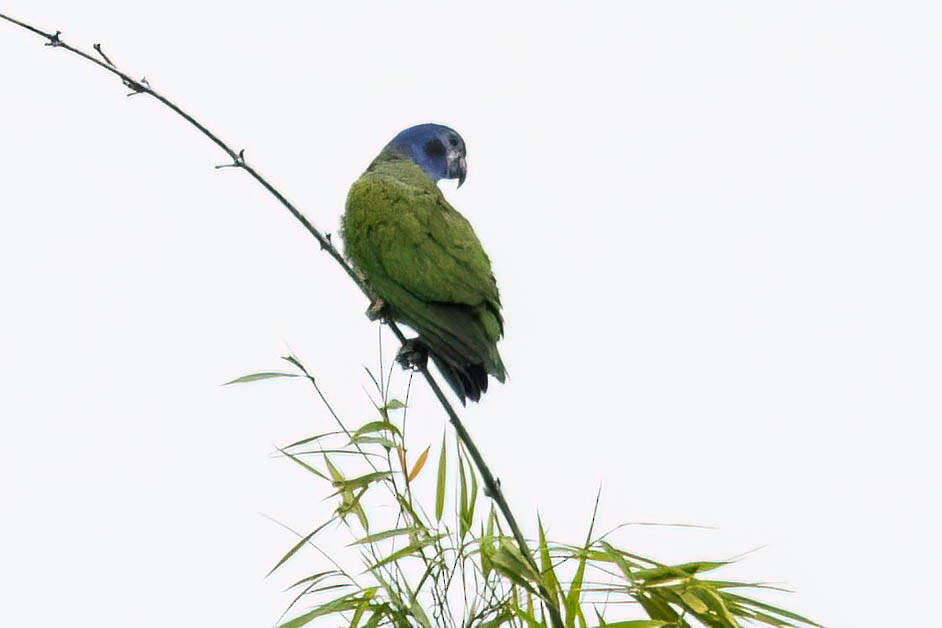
column 436, row 149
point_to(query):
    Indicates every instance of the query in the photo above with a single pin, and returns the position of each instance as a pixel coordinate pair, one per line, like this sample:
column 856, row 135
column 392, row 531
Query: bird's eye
column 453, row 141
column 435, row 148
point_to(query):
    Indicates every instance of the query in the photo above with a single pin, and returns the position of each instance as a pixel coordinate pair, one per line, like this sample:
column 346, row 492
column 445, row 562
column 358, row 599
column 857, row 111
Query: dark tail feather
column 469, row 381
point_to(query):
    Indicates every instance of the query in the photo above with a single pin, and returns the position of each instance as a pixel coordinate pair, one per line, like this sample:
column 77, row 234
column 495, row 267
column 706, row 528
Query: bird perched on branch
column 423, row 262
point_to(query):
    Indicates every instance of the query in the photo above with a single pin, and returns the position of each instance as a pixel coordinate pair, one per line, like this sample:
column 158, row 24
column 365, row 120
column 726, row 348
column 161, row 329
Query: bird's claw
column 413, row 355
column 376, row 310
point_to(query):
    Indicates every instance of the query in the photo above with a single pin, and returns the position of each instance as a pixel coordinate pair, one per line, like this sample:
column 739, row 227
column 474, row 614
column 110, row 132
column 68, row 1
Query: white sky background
column 715, row 226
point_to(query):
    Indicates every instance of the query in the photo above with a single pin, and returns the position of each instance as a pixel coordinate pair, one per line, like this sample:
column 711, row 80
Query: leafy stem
column 142, row 86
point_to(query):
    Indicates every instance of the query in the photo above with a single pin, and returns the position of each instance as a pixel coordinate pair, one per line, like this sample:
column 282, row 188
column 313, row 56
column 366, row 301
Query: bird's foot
column 376, row 310
column 413, row 355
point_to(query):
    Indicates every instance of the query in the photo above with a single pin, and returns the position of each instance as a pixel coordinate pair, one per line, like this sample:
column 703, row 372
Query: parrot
column 422, row 261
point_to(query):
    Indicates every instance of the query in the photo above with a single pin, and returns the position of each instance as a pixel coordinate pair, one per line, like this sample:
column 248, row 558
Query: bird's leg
column 376, row 310
column 413, row 355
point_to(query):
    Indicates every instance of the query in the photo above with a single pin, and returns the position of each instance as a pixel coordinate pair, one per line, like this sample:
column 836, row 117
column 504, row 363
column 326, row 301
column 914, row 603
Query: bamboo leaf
column 313, row 578
column 745, row 601
column 419, row 614
column 376, row 426
column 573, row 599
column 345, row 603
column 638, row 623
column 462, row 500
column 377, row 616
column 715, row 603
column 402, row 459
column 693, row 603
column 368, row 595
column 387, row 534
column 619, row 560
column 374, row 440
column 440, row 487
column 303, row 464
column 296, row 547
column 550, row 581
column 655, row 607
column 361, row 481
column 256, row 377
column 472, row 500
column 335, row 473
column 486, row 546
column 310, row 439
column 412, row 548
column 510, row 564
column 417, row 468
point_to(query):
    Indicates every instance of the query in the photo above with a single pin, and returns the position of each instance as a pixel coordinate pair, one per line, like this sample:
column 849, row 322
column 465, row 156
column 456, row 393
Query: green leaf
column 394, row 404
column 693, row 603
column 619, row 560
column 502, row 619
column 655, row 607
column 745, row 601
column 387, row 534
column 550, row 581
column 462, row 500
column 313, row 578
column 715, row 603
column 377, row 617
column 419, row 614
column 310, row 439
column 351, row 503
column 297, row 546
column 440, row 487
column 472, row 500
column 303, row 464
column 255, row 377
column 507, row 560
column 374, row 440
column 486, row 545
column 376, row 426
column 335, row 473
column 412, row 548
column 639, row 623
column 368, row 595
column 573, row 600
column 340, row 605
column 667, row 573
column 361, row 481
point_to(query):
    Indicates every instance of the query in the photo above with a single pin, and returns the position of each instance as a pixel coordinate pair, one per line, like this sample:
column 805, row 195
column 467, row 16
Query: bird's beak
column 462, row 170
column 457, row 166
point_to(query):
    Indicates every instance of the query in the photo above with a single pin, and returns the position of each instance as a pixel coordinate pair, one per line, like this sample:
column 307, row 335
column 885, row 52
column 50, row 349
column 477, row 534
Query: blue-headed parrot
column 422, row 260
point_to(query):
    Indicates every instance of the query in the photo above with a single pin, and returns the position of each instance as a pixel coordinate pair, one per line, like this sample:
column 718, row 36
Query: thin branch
column 141, row 86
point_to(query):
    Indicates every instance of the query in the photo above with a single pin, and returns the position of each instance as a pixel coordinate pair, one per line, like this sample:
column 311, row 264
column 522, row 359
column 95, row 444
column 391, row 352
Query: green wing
column 423, row 258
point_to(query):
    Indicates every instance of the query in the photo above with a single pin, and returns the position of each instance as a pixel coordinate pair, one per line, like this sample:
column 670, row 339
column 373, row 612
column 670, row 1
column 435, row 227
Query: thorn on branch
column 330, row 242
column 54, row 40
column 237, row 162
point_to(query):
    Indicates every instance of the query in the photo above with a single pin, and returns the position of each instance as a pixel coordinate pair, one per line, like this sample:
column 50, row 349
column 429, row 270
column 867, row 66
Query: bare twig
column 141, row 86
